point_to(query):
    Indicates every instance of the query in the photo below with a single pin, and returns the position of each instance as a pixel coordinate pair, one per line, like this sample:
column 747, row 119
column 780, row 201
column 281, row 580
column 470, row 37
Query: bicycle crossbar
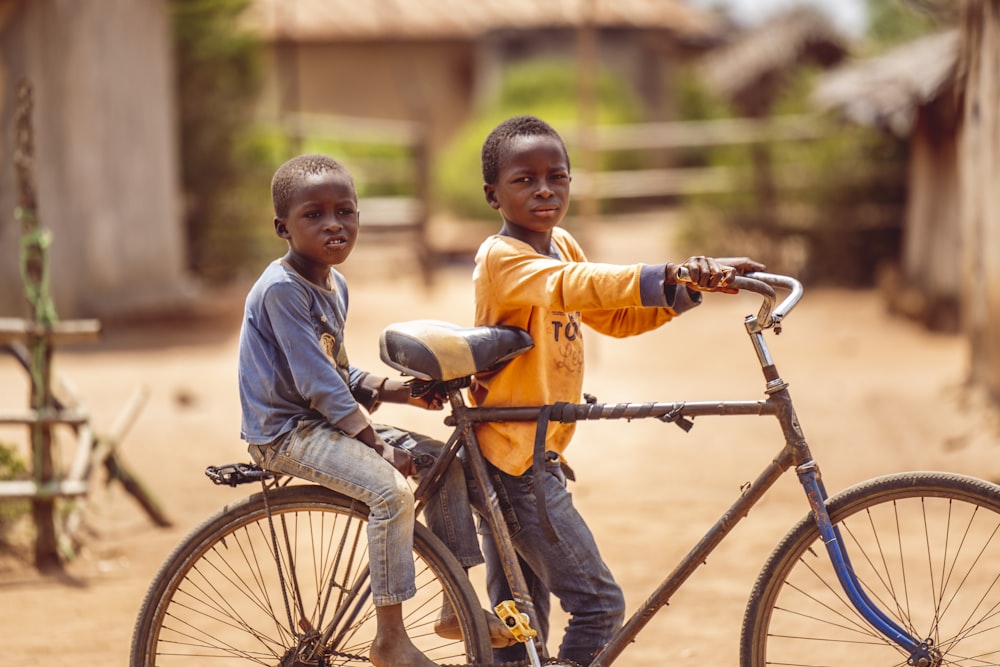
column 594, row 411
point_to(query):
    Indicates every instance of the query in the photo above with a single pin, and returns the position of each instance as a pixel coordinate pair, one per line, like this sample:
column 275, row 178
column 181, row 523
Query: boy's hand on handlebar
column 743, row 265
column 398, row 391
column 430, row 401
column 710, row 274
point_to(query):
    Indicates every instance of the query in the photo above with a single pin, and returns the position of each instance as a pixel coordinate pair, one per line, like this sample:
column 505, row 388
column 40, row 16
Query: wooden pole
column 588, row 64
column 979, row 154
column 34, row 273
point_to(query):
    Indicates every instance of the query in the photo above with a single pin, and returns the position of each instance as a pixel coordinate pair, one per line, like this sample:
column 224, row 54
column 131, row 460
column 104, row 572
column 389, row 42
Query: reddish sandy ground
column 874, row 395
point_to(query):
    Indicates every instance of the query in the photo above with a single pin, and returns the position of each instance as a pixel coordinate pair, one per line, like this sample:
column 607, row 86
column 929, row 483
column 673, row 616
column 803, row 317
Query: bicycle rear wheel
column 925, row 548
column 221, row 599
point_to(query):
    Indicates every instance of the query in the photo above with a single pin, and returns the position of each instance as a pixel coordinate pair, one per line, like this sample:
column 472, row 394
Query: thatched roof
column 322, row 20
column 750, row 70
column 887, row 90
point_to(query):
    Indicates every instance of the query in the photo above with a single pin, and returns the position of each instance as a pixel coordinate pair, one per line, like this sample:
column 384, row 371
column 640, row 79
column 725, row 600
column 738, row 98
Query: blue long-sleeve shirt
column 292, row 360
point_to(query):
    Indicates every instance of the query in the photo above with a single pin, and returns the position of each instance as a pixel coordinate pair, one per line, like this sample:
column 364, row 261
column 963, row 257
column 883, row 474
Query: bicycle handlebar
column 793, row 286
column 762, row 284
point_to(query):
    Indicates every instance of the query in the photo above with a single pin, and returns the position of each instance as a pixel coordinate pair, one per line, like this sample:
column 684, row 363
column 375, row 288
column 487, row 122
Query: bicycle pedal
column 518, row 623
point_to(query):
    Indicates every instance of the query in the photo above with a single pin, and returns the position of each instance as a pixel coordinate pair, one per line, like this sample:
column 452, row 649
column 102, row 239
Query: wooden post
column 587, row 71
column 979, row 149
column 421, row 160
column 34, row 270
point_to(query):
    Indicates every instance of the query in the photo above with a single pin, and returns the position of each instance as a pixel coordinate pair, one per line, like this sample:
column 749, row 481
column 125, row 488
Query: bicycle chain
column 561, row 662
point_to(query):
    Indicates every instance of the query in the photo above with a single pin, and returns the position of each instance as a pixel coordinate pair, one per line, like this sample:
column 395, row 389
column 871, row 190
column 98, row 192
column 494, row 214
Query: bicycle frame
column 795, row 453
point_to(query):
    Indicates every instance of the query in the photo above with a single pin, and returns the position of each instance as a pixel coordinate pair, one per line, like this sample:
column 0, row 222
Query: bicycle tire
column 925, row 547
column 218, row 598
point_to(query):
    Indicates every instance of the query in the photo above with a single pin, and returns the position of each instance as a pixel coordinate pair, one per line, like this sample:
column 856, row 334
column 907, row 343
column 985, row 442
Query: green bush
column 547, row 89
column 835, row 208
column 12, row 467
column 223, row 161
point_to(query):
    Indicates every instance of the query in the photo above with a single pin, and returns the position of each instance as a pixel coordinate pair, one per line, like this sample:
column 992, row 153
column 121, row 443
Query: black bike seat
column 441, row 351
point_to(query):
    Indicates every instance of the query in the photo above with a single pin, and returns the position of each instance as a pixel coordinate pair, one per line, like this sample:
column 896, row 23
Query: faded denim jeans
column 317, row 452
column 570, row 568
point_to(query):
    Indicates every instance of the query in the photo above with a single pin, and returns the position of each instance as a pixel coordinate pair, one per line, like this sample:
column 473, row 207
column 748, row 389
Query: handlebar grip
column 742, row 283
column 748, row 284
column 763, row 284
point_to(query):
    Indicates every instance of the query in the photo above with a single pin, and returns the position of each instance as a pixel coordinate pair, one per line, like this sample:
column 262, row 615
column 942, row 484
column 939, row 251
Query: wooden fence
column 667, row 137
column 395, row 197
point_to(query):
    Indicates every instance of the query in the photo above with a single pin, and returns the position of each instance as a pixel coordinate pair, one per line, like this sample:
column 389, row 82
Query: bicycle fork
column 922, row 653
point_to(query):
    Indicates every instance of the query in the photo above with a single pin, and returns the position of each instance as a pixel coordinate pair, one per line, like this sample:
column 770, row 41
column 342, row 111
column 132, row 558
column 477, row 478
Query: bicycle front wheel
column 925, row 548
column 290, row 587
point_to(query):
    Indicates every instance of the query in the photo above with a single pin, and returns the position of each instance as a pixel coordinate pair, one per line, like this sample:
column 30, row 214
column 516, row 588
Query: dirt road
column 873, row 394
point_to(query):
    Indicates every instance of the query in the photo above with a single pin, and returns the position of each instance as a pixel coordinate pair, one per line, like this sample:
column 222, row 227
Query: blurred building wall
column 106, row 165
column 440, row 82
column 426, row 82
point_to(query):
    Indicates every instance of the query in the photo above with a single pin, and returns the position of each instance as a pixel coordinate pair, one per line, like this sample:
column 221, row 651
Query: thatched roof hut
column 887, row 91
column 752, row 69
column 434, row 61
column 912, row 92
column 322, row 20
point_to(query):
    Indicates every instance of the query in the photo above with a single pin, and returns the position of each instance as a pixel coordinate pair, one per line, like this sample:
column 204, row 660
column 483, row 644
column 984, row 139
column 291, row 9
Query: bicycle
column 899, row 569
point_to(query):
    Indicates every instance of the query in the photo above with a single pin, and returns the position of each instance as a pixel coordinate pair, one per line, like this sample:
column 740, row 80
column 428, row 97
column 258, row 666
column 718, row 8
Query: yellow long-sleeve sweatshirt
column 551, row 297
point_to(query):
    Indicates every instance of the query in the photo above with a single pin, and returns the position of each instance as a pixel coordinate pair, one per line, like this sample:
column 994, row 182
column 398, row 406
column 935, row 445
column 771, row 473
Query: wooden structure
column 944, row 91
column 32, row 341
column 433, row 61
column 430, row 63
column 979, row 170
column 41, row 418
column 754, row 69
column 672, row 182
column 911, row 92
column 107, row 138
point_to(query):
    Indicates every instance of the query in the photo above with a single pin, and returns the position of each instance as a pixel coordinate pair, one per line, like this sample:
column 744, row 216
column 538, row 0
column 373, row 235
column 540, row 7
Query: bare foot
column 397, row 653
column 392, row 646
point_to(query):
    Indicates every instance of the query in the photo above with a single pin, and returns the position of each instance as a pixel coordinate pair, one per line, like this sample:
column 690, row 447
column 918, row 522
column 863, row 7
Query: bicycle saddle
column 440, row 351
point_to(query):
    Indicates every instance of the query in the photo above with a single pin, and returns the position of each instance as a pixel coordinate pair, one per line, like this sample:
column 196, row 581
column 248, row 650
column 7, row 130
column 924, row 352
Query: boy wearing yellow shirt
column 534, row 275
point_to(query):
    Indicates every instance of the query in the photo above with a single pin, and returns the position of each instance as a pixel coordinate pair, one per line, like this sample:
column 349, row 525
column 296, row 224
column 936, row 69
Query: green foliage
column 223, row 160
column 379, row 169
column 12, row 467
column 544, row 88
column 695, row 101
column 894, row 22
column 834, row 209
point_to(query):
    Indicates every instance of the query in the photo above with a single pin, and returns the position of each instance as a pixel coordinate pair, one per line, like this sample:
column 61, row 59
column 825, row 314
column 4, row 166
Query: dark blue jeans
column 569, row 568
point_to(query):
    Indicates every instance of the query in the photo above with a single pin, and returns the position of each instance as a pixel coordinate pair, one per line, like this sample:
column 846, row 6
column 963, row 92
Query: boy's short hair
column 497, row 144
column 287, row 177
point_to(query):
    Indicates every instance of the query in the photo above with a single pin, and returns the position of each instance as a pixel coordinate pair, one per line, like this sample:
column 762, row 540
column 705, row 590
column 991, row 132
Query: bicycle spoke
column 925, row 552
column 288, row 584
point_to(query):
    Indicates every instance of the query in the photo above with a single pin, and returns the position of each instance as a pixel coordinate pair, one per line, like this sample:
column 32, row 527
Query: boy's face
column 532, row 188
column 322, row 224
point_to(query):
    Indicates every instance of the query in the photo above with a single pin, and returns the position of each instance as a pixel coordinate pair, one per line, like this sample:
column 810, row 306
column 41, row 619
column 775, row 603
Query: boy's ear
column 280, row 228
column 491, row 196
